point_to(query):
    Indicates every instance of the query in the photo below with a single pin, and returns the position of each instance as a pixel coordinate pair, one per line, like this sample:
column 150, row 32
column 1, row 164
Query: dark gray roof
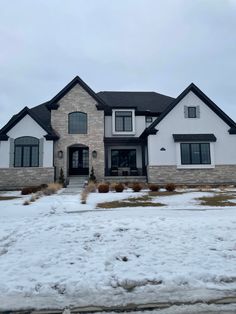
column 142, row 101
column 194, row 137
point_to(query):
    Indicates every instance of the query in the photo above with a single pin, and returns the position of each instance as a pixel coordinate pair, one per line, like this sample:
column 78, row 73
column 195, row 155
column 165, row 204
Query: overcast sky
column 145, row 45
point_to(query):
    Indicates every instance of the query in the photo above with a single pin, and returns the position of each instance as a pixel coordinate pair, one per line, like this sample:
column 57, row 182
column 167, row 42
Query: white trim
column 180, row 166
column 114, row 132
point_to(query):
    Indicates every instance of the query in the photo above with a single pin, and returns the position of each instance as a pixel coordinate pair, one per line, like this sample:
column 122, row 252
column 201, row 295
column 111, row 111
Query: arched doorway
column 78, row 160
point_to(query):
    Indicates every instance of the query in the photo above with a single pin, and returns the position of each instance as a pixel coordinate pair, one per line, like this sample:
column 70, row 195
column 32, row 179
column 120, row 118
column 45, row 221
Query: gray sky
column 160, row 45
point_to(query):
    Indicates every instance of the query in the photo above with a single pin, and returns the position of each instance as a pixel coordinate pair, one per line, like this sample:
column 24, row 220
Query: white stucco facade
column 27, row 127
column 223, row 151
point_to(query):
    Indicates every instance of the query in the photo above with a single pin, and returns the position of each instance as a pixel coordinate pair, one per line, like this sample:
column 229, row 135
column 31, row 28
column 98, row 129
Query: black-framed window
column 77, row 123
column 123, row 121
column 149, row 119
column 195, row 153
column 123, row 158
column 192, row 112
column 26, row 152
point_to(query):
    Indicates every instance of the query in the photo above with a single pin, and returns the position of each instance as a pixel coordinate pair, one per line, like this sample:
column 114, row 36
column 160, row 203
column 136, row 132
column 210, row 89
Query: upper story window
column 77, row 123
column 195, row 153
column 26, row 152
column 192, row 112
column 123, row 121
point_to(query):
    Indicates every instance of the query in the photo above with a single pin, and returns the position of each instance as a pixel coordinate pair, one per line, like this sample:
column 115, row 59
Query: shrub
column 92, row 176
column 137, row 187
column 103, row 188
column 84, row 195
column 33, row 198
column 30, row 190
column 61, row 178
column 154, row 187
column 119, row 187
column 52, row 188
column 170, row 187
column 91, row 187
column 112, row 186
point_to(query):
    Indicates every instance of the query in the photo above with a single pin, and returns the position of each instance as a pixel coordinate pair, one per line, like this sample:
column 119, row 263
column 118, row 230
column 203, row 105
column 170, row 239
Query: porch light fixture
column 162, row 149
column 94, row 154
column 60, row 154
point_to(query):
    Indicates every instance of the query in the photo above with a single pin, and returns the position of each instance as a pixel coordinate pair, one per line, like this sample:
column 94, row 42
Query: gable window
column 77, row 123
column 26, row 152
column 195, row 153
column 192, row 112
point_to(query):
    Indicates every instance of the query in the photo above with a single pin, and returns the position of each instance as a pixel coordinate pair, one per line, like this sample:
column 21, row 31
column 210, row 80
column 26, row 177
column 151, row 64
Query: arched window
column 26, row 152
column 77, row 123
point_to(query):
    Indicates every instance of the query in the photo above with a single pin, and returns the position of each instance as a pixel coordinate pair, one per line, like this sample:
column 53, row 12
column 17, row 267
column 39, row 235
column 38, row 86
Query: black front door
column 78, row 161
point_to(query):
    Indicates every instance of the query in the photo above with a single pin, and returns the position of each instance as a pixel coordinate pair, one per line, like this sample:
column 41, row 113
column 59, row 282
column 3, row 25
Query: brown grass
column 8, row 198
column 217, row 200
column 117, row 204
column 52, row 188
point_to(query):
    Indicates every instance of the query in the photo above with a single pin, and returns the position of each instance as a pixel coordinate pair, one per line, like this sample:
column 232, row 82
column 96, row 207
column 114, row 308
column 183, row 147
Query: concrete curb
column 126, row 308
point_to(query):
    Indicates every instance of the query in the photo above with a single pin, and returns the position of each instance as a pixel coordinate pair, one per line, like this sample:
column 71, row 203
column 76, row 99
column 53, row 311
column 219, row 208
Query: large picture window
column 77, row 123
column 123, row 121
column 123, row 158
column 26, row 152
column 195, row 153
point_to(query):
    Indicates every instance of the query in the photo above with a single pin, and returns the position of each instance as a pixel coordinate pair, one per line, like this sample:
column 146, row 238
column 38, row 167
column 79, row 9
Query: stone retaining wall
column 222, row 174
column 16, row 178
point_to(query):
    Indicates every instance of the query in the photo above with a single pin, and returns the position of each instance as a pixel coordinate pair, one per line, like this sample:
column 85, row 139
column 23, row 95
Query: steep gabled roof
column 53, row 103
column 40, row 114
column 145, row 103
column 193, row 88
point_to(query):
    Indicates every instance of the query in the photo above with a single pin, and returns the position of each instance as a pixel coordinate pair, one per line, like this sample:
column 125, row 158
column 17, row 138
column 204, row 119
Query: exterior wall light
column 94, row 154
column 60, row 154
column 162, row 149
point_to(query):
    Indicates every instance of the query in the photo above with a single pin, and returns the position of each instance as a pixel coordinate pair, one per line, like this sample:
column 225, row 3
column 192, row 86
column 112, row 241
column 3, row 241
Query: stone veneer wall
column 77, row 99
column 221, row 174
column 17, row 178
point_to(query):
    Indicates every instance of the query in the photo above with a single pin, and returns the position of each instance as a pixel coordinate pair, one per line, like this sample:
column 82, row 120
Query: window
column 26, row 152
column 192, row 112
column 123, row 158
column 77, row 123
column 123, row 121
column 195, row 153
column 149, row 119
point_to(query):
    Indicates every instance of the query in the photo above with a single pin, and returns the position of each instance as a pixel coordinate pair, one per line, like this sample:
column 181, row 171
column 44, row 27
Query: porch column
column 144, row 171
column 106, row 161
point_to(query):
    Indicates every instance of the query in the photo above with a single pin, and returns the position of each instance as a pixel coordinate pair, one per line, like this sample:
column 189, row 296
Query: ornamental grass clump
column 119, row 187
column 103, row 188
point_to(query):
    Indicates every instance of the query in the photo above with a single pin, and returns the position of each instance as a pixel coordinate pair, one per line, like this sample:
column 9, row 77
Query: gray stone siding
column 17, row 178
column 77, row 99
column 221, row 174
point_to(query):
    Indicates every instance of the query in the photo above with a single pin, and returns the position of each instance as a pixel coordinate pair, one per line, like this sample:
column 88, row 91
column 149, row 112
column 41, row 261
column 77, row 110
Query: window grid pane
column 123, row 121
column 77, row 123
column 123, row 158
column 195, row 153
column 26, row 152
column 192, row 112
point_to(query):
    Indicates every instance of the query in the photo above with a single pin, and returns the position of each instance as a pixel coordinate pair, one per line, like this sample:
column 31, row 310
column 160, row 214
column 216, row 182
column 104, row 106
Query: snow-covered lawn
column 57, row 252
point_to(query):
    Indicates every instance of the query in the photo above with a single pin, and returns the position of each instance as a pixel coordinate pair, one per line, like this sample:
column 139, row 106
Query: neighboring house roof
column 145, row 103
column 194, row 137
column 193, row 88
column 40, row 114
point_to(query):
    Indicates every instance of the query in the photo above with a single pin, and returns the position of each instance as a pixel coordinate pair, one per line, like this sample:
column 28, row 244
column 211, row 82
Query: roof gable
column 193, row 88
column 18, row 117
column 53, row 103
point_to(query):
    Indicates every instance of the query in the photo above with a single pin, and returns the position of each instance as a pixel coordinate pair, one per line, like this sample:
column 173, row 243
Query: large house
column 123, row 135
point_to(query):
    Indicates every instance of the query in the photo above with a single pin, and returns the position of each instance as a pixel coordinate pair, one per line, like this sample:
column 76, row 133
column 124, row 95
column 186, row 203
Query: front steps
column 76, row 184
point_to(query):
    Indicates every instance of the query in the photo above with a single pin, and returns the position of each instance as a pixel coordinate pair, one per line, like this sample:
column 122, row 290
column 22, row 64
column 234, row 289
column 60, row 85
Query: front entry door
column 78, row 161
